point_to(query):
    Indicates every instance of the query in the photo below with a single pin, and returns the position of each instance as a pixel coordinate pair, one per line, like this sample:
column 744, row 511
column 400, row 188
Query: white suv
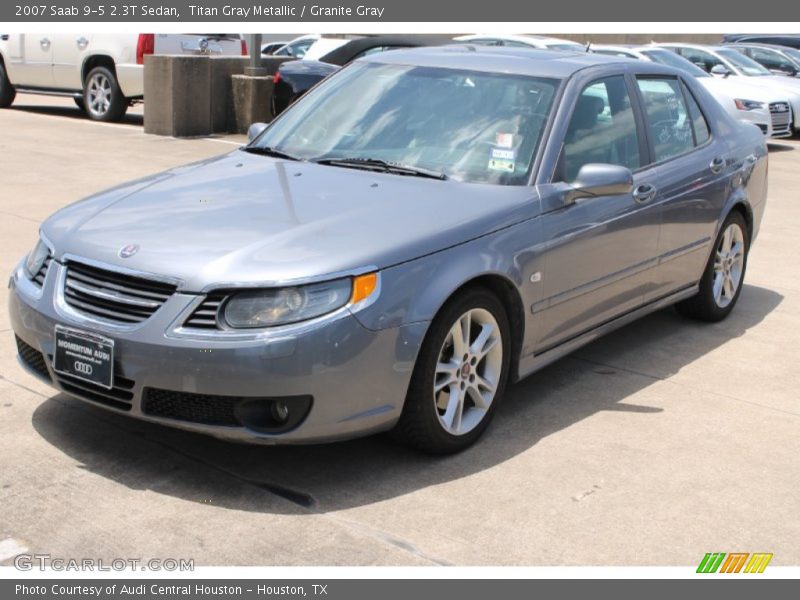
column 102, row 72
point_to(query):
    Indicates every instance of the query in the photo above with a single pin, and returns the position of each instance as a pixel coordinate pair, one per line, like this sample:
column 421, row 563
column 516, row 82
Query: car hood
column 244, row 218
column 736, row 88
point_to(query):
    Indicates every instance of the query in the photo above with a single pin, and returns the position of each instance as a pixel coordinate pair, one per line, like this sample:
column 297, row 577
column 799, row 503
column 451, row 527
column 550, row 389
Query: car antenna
column 588, row 47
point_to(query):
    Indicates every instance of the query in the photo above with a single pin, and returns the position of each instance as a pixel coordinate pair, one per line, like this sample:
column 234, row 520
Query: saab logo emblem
column 128, row 251
column 714, row 562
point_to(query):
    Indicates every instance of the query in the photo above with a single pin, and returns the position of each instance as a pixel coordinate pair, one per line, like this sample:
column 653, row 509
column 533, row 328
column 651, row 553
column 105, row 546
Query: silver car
column 421, row 229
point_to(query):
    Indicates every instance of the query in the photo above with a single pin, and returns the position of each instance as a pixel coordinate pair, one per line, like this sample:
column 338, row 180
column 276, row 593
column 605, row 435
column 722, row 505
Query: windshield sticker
column 504, row 140
column 503, row 154
column 496, row 164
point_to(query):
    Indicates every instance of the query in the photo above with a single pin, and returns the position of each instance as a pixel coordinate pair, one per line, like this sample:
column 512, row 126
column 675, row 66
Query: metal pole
column 254, row 67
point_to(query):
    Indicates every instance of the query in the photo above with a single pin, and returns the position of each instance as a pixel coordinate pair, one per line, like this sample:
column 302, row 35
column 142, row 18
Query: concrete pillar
column 189, row 96
column 251, row 99
column 177, row 98
column 223, row 114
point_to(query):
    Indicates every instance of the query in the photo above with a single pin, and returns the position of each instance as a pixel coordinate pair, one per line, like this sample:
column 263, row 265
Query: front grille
column 42, row 272
column 205, row 315
column 120, row 396
column 32, row 357
column 194, row 408
column 113, row 296
column 781, row 115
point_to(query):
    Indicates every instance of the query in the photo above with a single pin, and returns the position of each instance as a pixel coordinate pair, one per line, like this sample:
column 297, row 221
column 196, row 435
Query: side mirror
column 720, row 71
column 255, row 130
column 596, row 179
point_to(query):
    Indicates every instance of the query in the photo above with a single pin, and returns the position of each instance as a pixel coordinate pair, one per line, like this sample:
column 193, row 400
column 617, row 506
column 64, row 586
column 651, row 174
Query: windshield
column 669, row 58
column 745, row 65
column 792, row 53
column 566, row 46
column 469, row 126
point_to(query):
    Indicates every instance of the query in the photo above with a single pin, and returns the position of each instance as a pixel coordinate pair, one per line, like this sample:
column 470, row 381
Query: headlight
column 281, row 306
column 748, row 104
column 36, row 259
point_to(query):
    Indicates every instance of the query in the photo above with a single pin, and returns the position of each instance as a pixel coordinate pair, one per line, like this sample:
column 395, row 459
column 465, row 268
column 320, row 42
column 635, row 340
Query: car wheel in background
column 724, row 274
column 102, row 97
column 7, row 91
column 459, row 376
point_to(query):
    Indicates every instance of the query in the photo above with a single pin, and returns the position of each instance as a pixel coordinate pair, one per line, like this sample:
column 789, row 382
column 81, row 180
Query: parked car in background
column 421, row 228
column 298, row 47
column 294, row 78
column 791, row 40
column 779, row 60
column 725, row 62
column 103, row 73
column 769, row 109
column 310, row 47
column 522, row 41
column 271, row 48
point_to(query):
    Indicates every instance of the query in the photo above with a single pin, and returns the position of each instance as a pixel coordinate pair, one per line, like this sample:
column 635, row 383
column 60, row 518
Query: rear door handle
column 44, row 43
column 644, row 193
column 717, row 165
column 82, row 43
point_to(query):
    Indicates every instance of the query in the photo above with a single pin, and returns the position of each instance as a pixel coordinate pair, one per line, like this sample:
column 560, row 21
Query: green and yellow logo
column 735, row 562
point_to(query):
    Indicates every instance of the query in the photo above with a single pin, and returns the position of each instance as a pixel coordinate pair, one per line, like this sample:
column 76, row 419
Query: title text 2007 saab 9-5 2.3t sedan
column 419, row 229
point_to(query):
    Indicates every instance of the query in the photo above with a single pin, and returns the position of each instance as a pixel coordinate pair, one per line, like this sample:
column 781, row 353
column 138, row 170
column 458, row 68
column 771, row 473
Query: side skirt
column 533, row 362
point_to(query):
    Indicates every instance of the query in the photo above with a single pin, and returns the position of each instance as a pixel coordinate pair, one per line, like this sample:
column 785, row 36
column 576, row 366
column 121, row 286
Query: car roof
column 519, row 61
column 345, row 53
column 777, row 47
column 524, row 39
column 708, row 47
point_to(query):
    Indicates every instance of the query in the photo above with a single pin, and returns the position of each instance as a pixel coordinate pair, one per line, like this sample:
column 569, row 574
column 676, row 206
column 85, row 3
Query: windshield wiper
column 268, row 151
column 376, row 164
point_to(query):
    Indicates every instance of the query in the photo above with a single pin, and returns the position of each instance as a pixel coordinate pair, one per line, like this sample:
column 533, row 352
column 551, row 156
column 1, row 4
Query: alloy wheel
column 728, row 265
column 99, row 94
column 468, row 371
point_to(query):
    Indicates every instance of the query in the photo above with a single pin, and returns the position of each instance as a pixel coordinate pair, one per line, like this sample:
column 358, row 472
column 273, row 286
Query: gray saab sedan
column 421, row 229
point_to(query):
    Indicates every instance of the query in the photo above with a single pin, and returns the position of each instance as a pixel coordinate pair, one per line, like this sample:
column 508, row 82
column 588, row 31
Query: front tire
column 7, row 91
column 460, row 375
column 723, row 277
column 102, row 97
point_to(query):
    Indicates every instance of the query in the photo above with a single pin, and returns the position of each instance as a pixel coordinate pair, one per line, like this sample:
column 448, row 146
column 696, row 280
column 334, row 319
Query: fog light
column 280, row 412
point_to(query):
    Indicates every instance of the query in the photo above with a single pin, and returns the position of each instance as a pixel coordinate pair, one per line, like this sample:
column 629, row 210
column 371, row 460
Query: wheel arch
column 97, row 60
column 743, row 208
column 507, row 293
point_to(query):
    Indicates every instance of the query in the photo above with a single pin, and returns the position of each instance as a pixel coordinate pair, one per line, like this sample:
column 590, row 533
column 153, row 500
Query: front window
column 602, row 129
column 743, row 64
column 468, row 126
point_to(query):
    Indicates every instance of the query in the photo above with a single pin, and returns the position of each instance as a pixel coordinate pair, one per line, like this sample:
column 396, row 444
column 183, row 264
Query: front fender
column 415, row 291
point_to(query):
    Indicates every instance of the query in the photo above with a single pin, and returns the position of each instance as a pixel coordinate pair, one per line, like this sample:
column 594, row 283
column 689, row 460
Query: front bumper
column 356, row 378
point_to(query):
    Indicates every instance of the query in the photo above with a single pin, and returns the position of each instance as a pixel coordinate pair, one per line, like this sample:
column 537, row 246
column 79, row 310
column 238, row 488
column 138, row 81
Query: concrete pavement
column 661, row 442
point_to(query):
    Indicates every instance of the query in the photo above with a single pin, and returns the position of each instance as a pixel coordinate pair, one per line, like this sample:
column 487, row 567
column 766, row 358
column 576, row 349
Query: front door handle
column 717, row 165
column 644, row 193
column 44, row 43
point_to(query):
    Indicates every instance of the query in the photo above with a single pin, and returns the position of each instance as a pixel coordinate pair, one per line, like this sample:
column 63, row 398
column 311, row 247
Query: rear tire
column 723, row 277
column 7, row 91
column 102, row 98
column 460, row 375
